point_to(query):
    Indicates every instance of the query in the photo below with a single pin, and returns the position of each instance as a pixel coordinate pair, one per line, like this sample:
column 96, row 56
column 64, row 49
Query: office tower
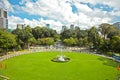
column 3, row 19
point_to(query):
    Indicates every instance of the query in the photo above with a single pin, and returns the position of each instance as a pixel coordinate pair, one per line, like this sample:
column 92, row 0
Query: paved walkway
column 27, row 52
column 46, row 50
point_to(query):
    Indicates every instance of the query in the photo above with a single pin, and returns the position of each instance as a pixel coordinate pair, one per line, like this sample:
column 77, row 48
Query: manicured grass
column 38, row 66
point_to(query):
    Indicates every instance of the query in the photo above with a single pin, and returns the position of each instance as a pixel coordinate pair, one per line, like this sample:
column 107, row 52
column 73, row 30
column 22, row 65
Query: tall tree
column 68, row 33
column 115, row 44
column 92, row 35
column 7, row 41
column 107, row 30
column 23, row 37
column 37, row 32
column 82, row 33
column 28, row 28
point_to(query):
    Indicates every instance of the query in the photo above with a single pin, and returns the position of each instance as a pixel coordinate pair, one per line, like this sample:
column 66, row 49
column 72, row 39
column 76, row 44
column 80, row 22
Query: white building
column 20, row 26
column 3, row 19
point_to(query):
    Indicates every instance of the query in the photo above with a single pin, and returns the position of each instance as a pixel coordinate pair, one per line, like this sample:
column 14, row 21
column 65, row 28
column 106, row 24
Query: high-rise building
column 20, row 26
column 48, row 25
column 3, row 19
column 72, row 26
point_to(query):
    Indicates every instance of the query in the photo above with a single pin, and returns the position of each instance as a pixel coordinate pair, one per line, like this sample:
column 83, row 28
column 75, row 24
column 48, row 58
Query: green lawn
column 38, row 66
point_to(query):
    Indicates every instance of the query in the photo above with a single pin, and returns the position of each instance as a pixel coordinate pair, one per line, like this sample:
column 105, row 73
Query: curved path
column 2, row 58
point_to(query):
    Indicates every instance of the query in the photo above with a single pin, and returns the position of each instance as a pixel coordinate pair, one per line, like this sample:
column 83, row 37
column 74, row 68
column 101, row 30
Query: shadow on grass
column 108, row 62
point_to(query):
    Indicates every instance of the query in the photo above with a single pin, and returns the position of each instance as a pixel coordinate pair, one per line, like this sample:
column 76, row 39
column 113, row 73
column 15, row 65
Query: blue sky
column 85, row 13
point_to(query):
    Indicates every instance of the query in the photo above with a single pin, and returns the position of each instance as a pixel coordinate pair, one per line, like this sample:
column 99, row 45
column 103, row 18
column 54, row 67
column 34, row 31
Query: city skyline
column 61, row 12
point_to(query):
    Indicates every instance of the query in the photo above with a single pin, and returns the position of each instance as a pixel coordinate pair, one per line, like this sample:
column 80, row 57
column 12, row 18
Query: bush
column 45, row 41
column 70, row 42
column 109, row 54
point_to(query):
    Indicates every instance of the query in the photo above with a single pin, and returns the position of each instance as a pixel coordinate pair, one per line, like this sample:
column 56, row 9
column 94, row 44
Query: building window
column 5, row 14
column 0, row 13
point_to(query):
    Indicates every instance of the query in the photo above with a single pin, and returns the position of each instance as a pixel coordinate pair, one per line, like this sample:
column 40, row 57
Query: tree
column 68, row 33
column 82, row 33
column 52, row 32
column 46, row 41
column 43, row 32
column 37, row 32
column 115, row 44
column 49, row 41
column 32, row 41
column 28, row 28
column 70, row 41
column 80, row 42
column 7, row 41
column 92, row 35
column 107, row 30
column 56, row 37
column 115, row 32
column 100, row 45
column 23, row 37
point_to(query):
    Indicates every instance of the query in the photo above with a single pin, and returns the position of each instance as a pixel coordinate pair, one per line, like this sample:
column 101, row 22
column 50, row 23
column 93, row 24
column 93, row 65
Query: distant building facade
column 3, row 19
column 48, row 25
column 72, row 26
column 64, row 28
column 20, row 26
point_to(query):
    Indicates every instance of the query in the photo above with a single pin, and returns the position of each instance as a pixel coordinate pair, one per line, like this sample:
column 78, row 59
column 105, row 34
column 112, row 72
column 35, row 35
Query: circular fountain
column 60, row 57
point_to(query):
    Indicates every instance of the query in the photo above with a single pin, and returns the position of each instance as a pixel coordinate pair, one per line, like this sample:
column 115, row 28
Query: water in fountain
column 60, row 58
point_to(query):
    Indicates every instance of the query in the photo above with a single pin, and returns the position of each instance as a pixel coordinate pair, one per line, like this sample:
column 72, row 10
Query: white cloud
column 6, row 5
column 57, row 25
column 13, row 21
column 83, row 8
column 111, row 3
column 60, row 12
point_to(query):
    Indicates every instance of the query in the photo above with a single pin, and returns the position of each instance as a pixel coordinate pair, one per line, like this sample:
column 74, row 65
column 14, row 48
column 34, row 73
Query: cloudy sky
column 85, row 13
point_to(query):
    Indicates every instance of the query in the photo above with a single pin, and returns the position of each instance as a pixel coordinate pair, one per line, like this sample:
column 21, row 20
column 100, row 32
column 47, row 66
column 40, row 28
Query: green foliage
column 23, row 37
column 109, row 54
column 28, row 36
column 92, row 35
column 68, row 33
column 45, row 41
column 115, row 32
column 50, row 41
column 115, row 44
column 71, row 37
column 99, row 45
column 42, row 32
column 32, row 41
column 7, row 41
column 81, row 33
column 18, row 47
column 107, row 30
column 70, row 41
column 37, row 32
column 103, row 39
column 56, row 37
column 82, row 42
column 28, row 28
